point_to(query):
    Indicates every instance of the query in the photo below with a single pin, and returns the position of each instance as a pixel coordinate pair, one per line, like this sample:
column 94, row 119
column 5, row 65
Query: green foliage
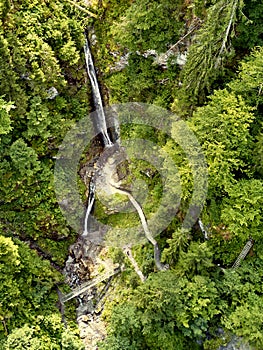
column 142, row 80
column 209, row 51
column 247, row 320
column 24, row 158
column 38, row 119
column 242, row 213
column 149, row 25
column 249, row 29
column 71, row 341
column 258, row 155
column 26, row 284
column 179, row 242
column 139, row 79
column 41, row 46
column 229, row 128
column 223, row 129
column 46, row 333
column 9, row 264
column 196, row 261
column 5, row 122
column 248, row 83
column 144, row 256
column 164, row 312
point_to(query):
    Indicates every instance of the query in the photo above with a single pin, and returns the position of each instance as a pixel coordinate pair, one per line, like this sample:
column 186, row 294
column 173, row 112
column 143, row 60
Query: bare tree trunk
column 149, row 236
column 128, row 252
column 223, row 46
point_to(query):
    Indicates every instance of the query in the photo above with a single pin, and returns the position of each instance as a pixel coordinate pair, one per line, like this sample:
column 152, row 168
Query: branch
column 82, row 9
column 128, row 252
column 181, row 39
column 223, row 46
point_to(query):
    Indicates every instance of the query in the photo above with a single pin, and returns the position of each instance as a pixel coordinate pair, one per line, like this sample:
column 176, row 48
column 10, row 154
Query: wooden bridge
column 87, row 285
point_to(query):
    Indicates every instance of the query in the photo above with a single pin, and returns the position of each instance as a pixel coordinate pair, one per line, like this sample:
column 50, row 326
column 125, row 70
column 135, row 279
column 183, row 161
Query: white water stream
column 100, row 122
column 101, row 119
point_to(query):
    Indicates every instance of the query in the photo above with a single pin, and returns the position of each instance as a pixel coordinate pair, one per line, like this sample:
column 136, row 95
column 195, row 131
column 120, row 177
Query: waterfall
column 91, row 200
column 101, row 119
column 100, row 122
column 88, row 211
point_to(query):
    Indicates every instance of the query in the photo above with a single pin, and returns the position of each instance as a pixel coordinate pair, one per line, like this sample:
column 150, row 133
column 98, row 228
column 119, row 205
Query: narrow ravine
column 84, row 263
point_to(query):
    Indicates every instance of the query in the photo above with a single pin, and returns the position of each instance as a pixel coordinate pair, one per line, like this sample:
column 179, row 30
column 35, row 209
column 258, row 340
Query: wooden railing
column 244, row 253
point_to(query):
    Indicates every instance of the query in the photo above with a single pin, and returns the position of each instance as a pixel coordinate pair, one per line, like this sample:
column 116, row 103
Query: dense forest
column 203, row 62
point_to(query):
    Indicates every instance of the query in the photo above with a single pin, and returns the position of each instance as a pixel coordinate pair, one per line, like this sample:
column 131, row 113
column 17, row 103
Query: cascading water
column 101, row 119
column 91, row 201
